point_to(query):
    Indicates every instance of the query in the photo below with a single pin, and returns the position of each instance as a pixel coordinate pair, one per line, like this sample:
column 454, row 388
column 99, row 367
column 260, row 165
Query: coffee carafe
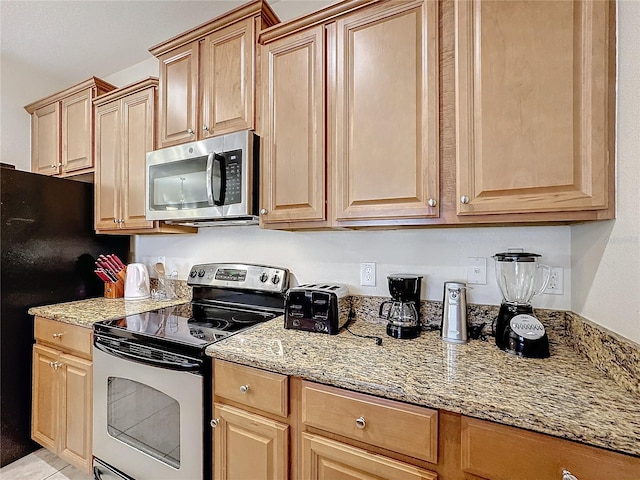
column 402, row 312
column 520, row 278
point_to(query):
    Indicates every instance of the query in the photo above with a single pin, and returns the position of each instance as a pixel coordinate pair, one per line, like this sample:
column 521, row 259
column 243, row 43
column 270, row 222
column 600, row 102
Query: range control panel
column 239, row 275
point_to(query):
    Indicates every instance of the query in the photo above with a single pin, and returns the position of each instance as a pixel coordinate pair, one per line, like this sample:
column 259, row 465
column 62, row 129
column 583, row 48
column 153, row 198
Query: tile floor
column 41, row 465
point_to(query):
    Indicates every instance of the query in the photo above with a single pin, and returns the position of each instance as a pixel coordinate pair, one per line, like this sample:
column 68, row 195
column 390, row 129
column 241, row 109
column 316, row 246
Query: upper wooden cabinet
column 125, row 132
column 208, row 76
column 419, row 113
column 62, row 129
column 532, row 129
column 351, row 116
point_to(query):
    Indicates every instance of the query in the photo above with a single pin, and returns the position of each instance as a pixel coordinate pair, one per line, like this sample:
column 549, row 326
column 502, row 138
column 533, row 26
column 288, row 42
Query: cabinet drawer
column 327, row 459
column 252, row 387
column 396, row 426
column 67, row 337
column 500, row 452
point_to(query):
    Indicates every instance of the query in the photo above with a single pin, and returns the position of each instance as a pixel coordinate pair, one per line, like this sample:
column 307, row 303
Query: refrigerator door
column 48, row 253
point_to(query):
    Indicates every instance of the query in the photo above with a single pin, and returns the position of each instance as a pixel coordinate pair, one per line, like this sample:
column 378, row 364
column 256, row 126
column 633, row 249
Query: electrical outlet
column 556, row 282
column 477, row 270
column 368, row 274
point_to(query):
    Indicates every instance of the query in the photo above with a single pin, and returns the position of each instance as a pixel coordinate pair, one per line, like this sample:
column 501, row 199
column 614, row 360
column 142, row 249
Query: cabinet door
column 77, row 133
column 45, row 140
column 178, row 93
column 238, row 433
column 46, row 397
column 108, row 155
column 384, row 139
column 324, row 459
column 293, row 158
column 228, row 71
column 138, row 112
column 76, row 383
column 532, row 106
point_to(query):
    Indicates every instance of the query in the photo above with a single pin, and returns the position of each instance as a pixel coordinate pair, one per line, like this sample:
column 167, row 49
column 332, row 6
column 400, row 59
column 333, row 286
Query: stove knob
column 264, row 277
column 193, row 274
column 275, row 279
column 201, row 273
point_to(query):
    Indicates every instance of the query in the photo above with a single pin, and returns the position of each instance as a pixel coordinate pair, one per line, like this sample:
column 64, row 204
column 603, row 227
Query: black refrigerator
column 48, row 251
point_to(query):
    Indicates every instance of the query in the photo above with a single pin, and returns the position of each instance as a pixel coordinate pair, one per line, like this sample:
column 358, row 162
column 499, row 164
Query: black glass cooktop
column 206, row 324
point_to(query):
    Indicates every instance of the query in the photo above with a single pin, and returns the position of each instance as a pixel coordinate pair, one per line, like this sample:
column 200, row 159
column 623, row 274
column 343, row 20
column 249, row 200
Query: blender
column 402, row 315
column 520, row 278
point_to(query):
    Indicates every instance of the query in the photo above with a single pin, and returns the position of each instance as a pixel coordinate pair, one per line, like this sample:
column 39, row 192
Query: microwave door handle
column 209, row 175
column 223, row 179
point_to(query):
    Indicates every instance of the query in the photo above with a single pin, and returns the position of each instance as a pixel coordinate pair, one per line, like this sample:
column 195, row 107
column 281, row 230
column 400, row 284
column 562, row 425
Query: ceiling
column 73, row 40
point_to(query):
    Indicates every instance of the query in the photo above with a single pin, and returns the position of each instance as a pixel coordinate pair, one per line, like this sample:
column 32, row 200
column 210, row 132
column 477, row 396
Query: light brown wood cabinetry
column 251, row 414
column 351, row 116
column 324, row 459
column 532, row 126
column 62, row 129
column 208, row 76
column 125, row 132
column 62, row 391
column 499, row 452
column 439, row 113
column 336, row 433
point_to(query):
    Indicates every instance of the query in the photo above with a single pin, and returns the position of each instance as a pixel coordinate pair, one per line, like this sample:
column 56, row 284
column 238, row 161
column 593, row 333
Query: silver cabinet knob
column 205, row 128
column 53, row 166
column 360, row 422
column 464, row 199
column 244, row 388
column 57, row 335
column 190, row 131
column 214, row 422
column 55, row 365
column 432, row 202
column 263, row 211
column 567, row 475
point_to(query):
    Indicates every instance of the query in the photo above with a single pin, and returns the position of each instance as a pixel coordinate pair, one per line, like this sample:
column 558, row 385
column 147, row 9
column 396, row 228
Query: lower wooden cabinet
column 62, row 404
column 324, row 459
column 499, row 452
column 329, row 433
column 249, row 446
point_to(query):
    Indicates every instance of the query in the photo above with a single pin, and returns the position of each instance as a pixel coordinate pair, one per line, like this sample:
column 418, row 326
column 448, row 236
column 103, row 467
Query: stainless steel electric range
column 152, row 380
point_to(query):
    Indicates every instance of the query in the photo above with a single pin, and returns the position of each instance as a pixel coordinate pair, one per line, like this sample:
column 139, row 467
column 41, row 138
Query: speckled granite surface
column 86, row 312
column 616, row 356
column 564, row 395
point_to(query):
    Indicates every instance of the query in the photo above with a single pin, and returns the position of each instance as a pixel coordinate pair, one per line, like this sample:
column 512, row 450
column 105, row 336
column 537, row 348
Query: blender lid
column 516, row 257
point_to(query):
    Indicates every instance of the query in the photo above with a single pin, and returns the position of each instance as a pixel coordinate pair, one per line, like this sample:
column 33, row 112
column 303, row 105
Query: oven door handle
column 186, row 367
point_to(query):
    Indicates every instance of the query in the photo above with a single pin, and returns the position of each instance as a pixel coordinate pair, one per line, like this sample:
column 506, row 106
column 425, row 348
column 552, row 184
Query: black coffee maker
column 403, row 312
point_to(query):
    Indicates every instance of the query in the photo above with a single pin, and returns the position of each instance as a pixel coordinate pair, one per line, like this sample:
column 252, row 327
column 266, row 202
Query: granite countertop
column 564, row 395
column 86, row 312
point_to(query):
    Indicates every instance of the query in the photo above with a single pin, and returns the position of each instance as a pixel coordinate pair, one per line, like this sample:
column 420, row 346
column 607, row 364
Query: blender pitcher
column 520, row 277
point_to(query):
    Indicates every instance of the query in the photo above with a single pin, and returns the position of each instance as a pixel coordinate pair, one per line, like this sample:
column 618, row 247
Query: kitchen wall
column 605, row 256
column 601, row 260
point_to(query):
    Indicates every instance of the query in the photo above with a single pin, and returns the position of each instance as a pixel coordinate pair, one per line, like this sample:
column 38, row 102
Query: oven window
column 144, row 418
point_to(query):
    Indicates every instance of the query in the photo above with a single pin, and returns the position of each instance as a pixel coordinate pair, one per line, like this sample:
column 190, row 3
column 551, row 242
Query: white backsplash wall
column 440, row 254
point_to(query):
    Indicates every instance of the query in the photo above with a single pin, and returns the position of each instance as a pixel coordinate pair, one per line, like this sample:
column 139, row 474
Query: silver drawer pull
column 360, row 422
column 58, row 335
column 215, row 422
column 244, row 388
column 567, row 475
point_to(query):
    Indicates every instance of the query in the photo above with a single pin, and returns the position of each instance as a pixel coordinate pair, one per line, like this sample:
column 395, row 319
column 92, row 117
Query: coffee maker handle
column 382, row 307
column 545, row 279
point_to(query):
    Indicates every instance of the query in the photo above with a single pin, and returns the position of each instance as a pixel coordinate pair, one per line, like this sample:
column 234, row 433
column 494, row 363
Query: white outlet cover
column 368, row 274
column 477, row 270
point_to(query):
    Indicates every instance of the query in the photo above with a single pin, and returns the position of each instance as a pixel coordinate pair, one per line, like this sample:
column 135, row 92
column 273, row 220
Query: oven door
column 148, row 421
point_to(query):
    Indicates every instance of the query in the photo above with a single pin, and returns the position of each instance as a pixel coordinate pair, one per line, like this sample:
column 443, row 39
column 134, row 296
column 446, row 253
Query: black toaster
column 317, row 307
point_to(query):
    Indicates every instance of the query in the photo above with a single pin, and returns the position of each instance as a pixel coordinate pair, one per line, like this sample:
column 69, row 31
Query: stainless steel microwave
column 204, row 183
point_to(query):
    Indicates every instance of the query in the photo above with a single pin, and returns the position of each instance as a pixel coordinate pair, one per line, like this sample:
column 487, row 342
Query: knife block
column 114, row 290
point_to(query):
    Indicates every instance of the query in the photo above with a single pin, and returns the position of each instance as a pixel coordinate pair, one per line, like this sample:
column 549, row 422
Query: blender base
column 510, row 341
